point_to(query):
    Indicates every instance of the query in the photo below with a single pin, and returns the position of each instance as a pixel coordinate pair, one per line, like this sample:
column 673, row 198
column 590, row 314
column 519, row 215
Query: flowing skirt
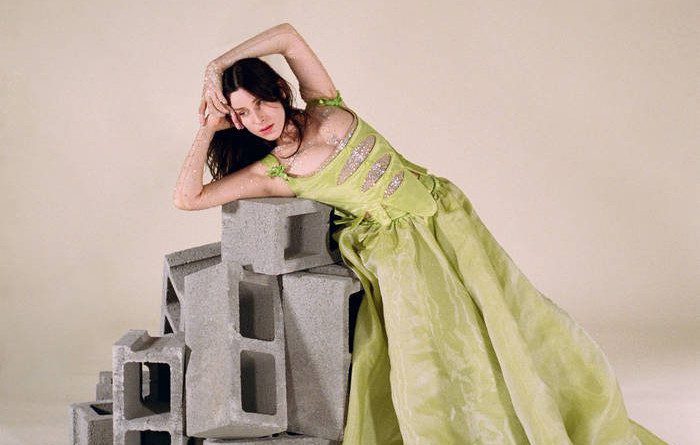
column 453, row 344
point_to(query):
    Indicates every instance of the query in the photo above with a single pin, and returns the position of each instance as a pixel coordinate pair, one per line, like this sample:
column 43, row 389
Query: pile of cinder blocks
column 255, row 342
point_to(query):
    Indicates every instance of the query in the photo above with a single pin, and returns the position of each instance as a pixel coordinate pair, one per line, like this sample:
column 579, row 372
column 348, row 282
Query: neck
column 289, row 135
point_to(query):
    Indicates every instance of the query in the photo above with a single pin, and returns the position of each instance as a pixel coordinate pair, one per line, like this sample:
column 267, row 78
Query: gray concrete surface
column 91, row 423
column 277, row 235
column 142, row 419
column 176, row 266
column 316, row 310
column 234, row 327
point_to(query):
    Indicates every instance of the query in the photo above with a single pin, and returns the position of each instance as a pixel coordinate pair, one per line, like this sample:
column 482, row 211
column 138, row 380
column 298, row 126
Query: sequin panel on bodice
column 395, row 182
column 365, row 177
column 356, row 158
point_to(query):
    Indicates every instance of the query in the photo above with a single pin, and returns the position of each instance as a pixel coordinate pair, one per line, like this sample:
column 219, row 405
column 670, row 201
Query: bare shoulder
column 329, row 122
column 271, row 185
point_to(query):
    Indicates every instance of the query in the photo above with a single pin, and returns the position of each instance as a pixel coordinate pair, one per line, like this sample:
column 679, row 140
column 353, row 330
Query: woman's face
column 263, row 119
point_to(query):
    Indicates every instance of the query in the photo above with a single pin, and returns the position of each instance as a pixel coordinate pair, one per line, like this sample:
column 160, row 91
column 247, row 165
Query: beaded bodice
column 364, row 177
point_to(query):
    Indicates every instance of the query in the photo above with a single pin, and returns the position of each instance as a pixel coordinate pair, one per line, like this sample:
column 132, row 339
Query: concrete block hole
column 302, row 241
column 167, row 327
column 256, row 311
column 102, row 409
column 147, row 437
column 258, row 383
column 149, row 391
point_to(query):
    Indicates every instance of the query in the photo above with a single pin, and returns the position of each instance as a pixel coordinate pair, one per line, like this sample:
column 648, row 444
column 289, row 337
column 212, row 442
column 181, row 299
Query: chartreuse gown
column 452, row 344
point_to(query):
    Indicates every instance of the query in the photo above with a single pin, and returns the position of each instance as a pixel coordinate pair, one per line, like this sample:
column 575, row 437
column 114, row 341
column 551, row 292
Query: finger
column 221, row 97
column 219, row 101
column 216, row 113
column 236, row 121
column 232, row 112
column 219, row 106
column 231, row 120
column 211, row 109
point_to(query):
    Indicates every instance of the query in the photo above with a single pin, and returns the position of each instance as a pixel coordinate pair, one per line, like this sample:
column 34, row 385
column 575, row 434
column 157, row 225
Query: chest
column 320, row 145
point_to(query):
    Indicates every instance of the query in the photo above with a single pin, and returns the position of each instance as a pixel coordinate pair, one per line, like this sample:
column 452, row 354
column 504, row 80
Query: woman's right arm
column 314, row 81
column 251, row 181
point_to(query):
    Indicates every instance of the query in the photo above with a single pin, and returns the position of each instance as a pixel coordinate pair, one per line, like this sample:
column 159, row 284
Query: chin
column 268, row 137
column 274, row 137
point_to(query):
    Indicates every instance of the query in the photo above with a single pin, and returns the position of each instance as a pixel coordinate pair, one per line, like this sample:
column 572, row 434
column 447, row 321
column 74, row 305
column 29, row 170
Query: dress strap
column 274, row 168
column 337, row 101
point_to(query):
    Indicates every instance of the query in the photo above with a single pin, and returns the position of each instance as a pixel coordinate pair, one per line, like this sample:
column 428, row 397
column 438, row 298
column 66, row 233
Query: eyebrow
column 245, row 108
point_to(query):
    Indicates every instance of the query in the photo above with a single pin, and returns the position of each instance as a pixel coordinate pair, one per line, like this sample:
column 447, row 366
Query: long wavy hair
column 232, row 149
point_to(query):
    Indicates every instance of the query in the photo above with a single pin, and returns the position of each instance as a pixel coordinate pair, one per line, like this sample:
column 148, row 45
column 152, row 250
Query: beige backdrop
column 572, row 126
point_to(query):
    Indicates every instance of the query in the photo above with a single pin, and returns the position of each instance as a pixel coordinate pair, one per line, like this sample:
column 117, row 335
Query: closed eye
column 257, row 103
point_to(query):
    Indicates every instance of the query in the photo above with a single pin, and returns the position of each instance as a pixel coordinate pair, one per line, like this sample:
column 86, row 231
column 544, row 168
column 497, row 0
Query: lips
column 266, row 129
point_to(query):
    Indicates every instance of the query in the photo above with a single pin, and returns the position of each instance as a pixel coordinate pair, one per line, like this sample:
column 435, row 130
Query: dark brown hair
column 232, row 149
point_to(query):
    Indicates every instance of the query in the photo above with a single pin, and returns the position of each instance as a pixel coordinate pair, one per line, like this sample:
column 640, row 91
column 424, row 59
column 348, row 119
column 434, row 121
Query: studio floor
column 657, row 374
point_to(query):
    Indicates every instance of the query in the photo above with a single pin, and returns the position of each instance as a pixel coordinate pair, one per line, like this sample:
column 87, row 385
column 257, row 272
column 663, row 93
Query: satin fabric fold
column 454, row 345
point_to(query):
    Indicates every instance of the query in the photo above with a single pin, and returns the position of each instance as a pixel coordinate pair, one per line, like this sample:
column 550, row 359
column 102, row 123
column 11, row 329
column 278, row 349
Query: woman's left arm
column 314, row 81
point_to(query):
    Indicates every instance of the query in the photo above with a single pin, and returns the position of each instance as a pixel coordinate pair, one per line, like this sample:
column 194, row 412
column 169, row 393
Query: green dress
column 452, row 344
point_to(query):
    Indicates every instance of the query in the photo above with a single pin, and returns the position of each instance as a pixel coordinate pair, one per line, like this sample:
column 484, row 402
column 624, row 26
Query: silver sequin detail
column 376, row 171
column 357, row 156
column 394, row 184
column 339, row 143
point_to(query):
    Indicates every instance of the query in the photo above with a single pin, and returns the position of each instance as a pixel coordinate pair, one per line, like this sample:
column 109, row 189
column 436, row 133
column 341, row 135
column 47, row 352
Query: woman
column 477, row 354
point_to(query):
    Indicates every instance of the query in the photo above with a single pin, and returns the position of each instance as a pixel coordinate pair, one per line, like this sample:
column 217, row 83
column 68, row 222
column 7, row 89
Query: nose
column 258, row 116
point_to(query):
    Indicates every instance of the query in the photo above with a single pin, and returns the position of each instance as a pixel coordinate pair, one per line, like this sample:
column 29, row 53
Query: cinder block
column 176, row 266
column 277, row 235
column 333, row 269
column 103, row 388
column 319, row 311
column 157, row 417
column 92, row 423
column 235, row 385
column 281, row 438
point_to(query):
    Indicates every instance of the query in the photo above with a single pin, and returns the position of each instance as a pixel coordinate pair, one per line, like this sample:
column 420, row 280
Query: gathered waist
column 382, row 214
column 429, row 180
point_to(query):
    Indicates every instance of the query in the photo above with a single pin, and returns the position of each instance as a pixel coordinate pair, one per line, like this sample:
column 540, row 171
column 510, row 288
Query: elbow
column 287, row 25
column 182, row 204
column 179, row 204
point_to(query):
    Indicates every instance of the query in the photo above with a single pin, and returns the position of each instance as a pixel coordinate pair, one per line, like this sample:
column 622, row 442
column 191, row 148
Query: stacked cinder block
column 160, row 414
column 236, row 384
column 255, row 340
column 103, row 388
column 317, row 322
column 176, row 267
column 92, row 423
column 277, row 235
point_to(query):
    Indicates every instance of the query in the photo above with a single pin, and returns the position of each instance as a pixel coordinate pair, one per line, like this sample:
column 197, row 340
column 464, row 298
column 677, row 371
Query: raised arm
column 314, row 81
column 251, row 181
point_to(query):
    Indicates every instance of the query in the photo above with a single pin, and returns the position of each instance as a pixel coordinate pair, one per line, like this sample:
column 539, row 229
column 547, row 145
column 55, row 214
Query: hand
column 213, row 102
column 217, row 122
